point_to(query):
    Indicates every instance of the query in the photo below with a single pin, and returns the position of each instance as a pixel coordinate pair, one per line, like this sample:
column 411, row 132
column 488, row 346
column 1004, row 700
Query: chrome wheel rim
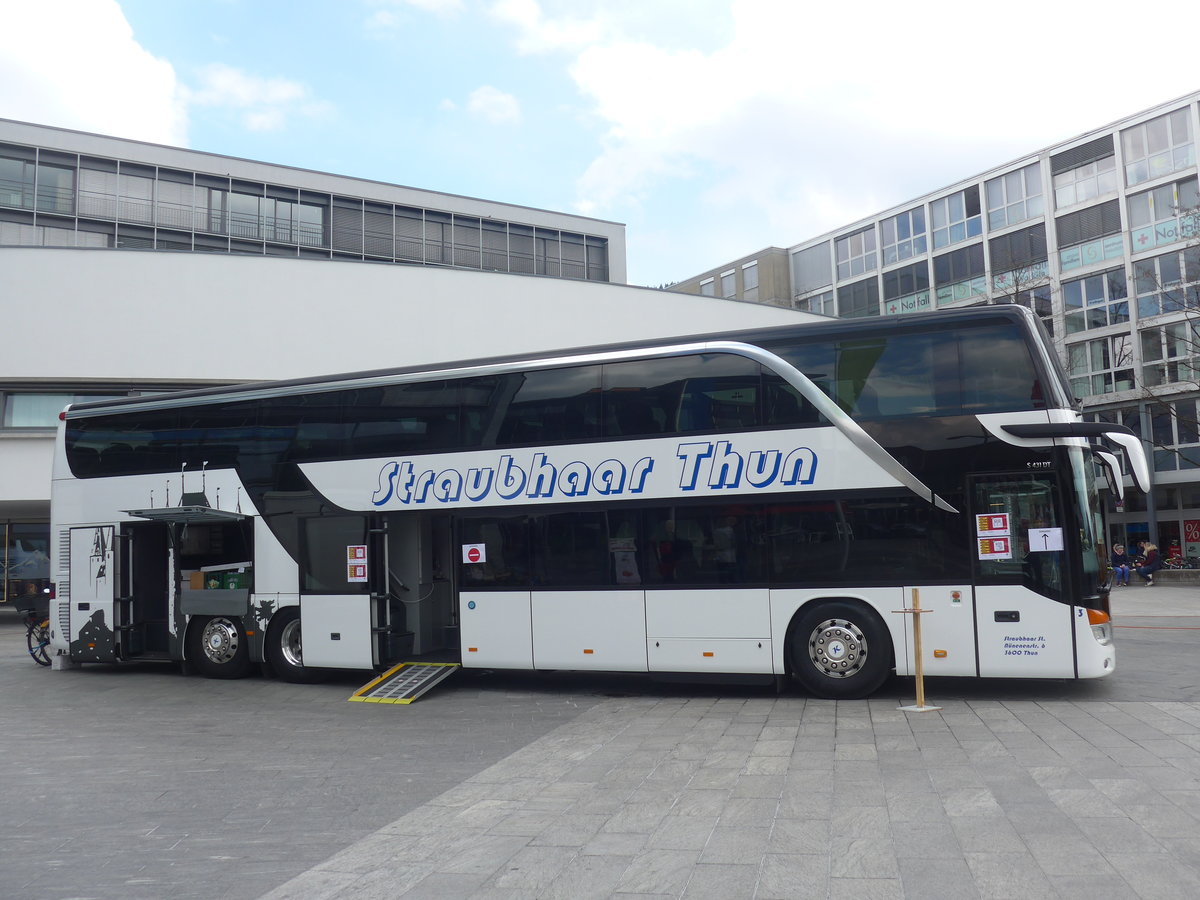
column 837, row 648
column 289, row 643
column 220, row 640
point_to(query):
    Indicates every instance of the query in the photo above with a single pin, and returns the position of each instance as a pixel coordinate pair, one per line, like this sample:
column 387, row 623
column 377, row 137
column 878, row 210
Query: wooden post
column 919, row 662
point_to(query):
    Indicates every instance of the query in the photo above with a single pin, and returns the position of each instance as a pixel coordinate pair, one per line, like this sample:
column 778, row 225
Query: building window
column 1086, row 182
column 1039, row 301
column 1096, row 301
column 1176, row 438
column 811, row 269
column 856, row 253
column 959, row 275
column 750, row 282
column 56, row 189
column 16, row 182
column 956, row 218
column 1015, row 197
column 1100, row 366
column 707, row 287
column 1164, row 215
column 858, row 300
column 1170, row 355
column 1089, row 236
column 906, row 290
column 1158, row 147
column 39, row 410
column 1168, row 283
column 1019, row 259
column 135, row 202
column 729, row 284
column 821, row 303
column 903, row 236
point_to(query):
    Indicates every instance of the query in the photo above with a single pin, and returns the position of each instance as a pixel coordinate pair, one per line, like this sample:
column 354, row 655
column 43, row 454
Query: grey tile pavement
column 786, row 797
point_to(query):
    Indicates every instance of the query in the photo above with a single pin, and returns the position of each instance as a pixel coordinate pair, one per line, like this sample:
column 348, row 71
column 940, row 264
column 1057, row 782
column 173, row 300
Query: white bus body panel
column 496, row 629
column 709, row 630
column 1037, row 646
column 337, row 630
column 948, row 628
column 275, row 572
column 604, row 630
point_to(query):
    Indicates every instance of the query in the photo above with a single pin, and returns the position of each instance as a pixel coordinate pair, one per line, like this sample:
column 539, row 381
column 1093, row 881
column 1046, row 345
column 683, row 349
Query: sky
column 710, row 128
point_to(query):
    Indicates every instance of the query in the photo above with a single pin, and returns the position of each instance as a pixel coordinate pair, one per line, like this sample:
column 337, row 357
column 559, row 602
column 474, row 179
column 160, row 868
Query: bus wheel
column 839, row 650
column 284, row 651
column 217, row 647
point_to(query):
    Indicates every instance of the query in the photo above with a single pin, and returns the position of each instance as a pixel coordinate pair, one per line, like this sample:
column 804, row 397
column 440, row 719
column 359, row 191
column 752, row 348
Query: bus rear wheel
column 839, row 650
column 217, row 647
column 285, row 651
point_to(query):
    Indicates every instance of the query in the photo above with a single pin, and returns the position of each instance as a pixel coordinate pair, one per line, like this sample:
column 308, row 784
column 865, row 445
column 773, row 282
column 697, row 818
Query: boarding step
column 404, row 683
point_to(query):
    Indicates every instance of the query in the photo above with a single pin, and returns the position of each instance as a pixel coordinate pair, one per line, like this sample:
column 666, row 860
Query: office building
column 1099, row 235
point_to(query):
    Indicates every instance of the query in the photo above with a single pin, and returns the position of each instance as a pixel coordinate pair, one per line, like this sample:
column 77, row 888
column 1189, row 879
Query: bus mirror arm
column 1121, row 435
column 1112, row 471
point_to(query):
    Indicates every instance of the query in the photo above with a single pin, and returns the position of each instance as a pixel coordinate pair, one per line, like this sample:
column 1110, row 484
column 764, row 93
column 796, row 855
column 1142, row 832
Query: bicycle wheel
column 37, row 638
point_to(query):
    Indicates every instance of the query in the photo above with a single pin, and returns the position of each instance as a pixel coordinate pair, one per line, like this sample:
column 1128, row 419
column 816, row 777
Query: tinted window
column 721, row 395
column 216, row 435
column 642, row 398
column 571, row 550
column 403, row 418
column 124, row 445
column 506, row 560
column 934, row 373
column 553, row 405
column 874, row 539
column 323, row 553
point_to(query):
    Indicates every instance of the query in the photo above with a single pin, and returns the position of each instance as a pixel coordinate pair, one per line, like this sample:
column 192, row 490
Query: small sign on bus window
column 995, row 548
column 992, row 525
column 356, row 563
column 1044, row 540
column 474, row 553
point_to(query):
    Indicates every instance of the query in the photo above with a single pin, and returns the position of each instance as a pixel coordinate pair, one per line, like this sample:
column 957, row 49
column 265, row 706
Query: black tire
column 217, row 647
column 839, row 650
column 285, row 651
column 37, row 639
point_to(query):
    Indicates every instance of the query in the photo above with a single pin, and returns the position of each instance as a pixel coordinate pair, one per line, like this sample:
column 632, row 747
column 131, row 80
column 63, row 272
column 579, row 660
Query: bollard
column 916, row 612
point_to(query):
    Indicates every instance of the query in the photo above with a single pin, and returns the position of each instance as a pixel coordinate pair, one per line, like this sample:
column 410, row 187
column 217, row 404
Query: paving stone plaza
column 623, row 787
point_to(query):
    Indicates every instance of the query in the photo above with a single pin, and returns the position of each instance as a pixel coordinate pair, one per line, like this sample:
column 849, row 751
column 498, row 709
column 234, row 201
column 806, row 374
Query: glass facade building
column 1100, row 237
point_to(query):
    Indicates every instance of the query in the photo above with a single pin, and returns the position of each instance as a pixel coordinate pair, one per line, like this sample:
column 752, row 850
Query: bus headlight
column 1101, row 626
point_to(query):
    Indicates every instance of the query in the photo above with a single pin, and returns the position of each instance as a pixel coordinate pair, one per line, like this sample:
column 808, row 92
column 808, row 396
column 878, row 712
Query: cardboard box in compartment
column 195, row 581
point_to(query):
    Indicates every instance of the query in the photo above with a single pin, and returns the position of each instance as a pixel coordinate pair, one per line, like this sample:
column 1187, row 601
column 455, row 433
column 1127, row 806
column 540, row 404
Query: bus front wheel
column 217, row 647
column 284, row 649
column 839, row 650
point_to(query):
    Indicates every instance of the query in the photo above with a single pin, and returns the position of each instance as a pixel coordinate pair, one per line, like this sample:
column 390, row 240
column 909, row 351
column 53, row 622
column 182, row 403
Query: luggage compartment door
column 93, row 587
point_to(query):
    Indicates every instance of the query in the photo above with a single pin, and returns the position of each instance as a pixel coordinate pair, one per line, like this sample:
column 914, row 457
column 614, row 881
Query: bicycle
column 37, row 636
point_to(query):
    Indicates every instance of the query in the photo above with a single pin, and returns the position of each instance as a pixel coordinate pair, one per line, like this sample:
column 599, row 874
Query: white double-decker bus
column 754, row 502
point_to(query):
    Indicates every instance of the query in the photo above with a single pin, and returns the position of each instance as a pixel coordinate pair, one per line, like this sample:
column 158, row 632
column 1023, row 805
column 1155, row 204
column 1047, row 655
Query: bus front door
column 93, row 586
column 1024, row 627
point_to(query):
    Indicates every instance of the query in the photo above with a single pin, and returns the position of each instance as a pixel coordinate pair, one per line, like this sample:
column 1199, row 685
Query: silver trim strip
column 803, row 385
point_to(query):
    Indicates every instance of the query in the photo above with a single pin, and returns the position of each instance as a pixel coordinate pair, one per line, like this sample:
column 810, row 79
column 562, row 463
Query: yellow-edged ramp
column 404, row 683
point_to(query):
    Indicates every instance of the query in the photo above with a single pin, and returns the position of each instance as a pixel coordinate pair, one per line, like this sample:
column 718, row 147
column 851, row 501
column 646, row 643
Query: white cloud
column 808, row 116
column 493, row 105
column 389, row 14
column 76, row 64
column 264, row 103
